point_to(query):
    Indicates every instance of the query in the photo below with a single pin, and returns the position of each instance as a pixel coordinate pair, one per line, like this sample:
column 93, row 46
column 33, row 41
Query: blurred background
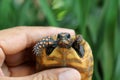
column 97, row 20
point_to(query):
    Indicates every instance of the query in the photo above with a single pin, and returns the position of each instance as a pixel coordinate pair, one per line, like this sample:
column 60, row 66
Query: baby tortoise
column 65, row 50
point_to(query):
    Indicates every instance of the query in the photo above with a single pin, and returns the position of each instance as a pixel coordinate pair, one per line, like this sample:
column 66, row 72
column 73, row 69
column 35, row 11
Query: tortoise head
column 64, row 40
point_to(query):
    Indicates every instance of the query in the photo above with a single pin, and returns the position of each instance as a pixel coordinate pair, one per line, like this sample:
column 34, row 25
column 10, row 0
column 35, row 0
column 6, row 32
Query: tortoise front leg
column 44, row 43
column 77, row 45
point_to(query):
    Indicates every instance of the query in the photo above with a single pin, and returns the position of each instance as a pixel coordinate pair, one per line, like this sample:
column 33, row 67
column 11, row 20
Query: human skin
column 17, row 61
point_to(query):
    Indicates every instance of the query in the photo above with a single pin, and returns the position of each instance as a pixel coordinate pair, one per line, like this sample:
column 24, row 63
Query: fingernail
column 70, row 75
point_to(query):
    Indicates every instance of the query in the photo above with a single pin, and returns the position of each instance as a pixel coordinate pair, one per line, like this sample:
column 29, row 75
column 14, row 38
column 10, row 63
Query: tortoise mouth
column 64, row 44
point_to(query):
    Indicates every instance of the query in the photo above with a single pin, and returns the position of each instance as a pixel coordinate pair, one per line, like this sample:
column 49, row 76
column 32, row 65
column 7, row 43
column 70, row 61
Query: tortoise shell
column 64, row 50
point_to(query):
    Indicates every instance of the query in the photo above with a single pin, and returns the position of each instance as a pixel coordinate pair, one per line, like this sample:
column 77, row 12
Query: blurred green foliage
column 97, row 20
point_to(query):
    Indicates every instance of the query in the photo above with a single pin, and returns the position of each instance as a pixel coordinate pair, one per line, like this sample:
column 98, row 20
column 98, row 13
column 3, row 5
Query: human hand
column 16, row 59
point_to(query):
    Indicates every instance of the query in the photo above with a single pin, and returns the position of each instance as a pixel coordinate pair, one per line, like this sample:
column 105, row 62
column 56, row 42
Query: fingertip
column 59, row 74
column 52, row 74
column 71, row 74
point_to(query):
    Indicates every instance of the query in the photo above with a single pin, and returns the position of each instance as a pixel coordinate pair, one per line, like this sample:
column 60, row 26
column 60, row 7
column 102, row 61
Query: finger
column 2, row 57
column 53, row 74
column 17, row 71
column 15, row 40
column 1, row 72
column 22, row 70
column 24, row 56
column 5, row 70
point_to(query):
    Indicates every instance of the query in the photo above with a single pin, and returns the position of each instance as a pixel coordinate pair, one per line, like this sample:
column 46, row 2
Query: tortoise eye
column 59, row 36
column 68, row 35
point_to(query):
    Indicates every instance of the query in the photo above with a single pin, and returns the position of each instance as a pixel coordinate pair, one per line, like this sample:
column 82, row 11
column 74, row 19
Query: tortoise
column 64, row 50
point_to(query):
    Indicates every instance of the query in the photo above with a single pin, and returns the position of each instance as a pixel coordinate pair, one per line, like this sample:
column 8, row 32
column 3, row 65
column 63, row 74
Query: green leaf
column 5, row 12
column 82, row 10
column 117, row 54
column 117, row 69
column 93, row 24
column 48, row 12
column 109, row 38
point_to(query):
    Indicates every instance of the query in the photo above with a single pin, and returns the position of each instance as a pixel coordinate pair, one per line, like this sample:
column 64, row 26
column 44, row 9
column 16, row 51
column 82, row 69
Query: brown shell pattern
column 63, row 57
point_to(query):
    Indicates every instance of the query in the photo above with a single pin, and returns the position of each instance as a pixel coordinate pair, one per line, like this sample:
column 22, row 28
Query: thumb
column 52, row 74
